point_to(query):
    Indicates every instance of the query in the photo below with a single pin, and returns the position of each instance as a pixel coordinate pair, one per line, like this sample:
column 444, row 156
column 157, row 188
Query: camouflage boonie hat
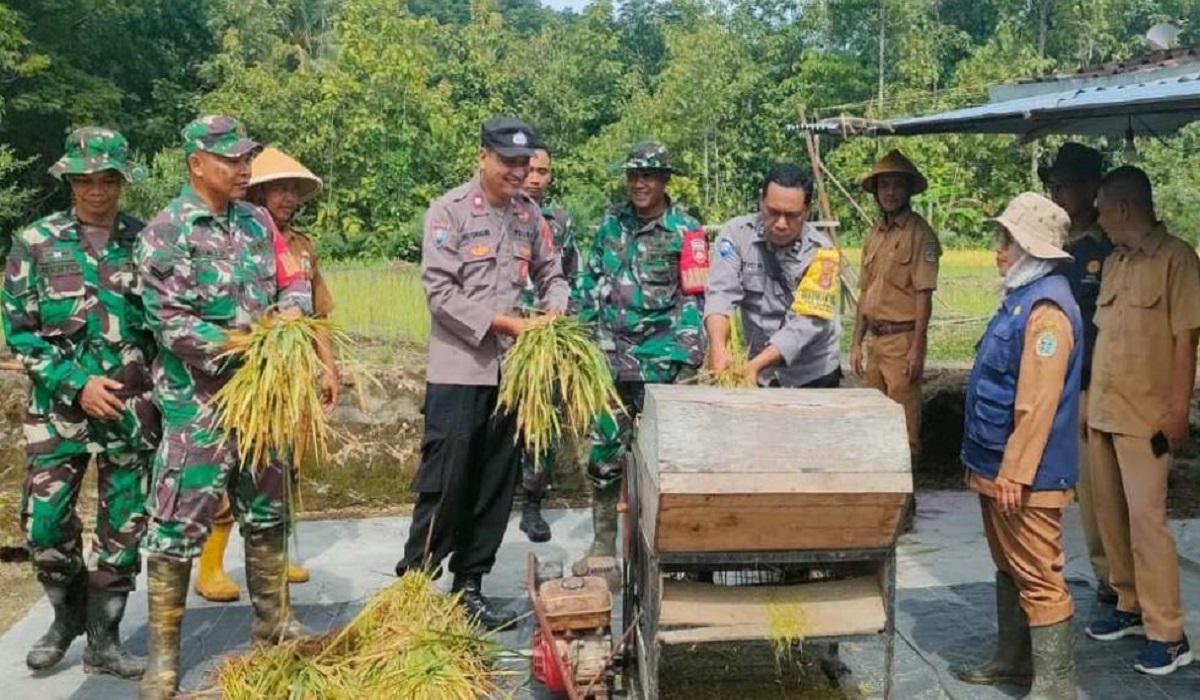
column 94, row 149
column 218, row 134
column 649, row 155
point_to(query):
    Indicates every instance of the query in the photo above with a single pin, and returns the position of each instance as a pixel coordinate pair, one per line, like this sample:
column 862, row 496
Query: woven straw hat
column 895, row 163
column 273, row 165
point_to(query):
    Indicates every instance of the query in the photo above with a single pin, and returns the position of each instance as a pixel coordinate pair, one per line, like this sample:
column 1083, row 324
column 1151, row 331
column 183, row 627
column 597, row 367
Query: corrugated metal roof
column 1152, row 108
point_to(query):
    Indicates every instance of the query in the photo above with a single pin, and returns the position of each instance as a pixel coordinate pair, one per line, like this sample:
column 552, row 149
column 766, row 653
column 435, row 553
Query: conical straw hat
column 273, row 164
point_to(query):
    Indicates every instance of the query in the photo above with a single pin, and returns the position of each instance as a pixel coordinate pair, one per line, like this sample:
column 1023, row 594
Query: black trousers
column 833, row 380
column 465, row 484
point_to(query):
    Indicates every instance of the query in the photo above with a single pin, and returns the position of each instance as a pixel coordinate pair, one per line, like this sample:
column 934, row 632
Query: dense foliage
column 383, row 98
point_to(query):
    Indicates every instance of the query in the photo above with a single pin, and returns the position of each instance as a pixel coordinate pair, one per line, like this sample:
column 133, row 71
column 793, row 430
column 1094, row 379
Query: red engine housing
column 545, row 669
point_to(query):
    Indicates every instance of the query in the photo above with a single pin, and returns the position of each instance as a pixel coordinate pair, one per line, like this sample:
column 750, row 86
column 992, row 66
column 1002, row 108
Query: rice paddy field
column 385, row 302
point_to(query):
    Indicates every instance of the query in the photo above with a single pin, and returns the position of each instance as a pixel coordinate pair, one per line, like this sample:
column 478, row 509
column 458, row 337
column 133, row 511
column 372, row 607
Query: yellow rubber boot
column 212, row 583
column 297, row 574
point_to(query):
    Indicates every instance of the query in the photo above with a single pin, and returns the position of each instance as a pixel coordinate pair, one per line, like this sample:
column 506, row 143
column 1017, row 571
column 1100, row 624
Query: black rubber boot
column 478, row 606
column 104, row 653
column 533, row 524
column 167, row 582
column 68, row 599
column 1053, row 663
column 1012, row 661
column 266, row 578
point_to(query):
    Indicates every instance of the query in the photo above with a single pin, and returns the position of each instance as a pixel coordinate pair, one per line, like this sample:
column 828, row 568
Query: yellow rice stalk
column 410, row 641
column 557, row 380
column 273, row 402
column 733, row 376
column 787, row 624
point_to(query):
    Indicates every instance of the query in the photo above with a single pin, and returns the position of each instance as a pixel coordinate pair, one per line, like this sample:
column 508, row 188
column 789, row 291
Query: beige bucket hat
column 1037, row 224
column 273, row 164
column 895, row 163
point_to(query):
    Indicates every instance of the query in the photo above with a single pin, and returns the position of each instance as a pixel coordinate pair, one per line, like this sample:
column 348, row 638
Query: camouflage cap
column 649, row 155
column 93, row 149
column 218, row 134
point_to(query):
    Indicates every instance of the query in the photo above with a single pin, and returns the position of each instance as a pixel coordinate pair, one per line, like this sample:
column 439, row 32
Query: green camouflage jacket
column 628, row 289
column 203, row 275
column 70, row 314
column 562, row 228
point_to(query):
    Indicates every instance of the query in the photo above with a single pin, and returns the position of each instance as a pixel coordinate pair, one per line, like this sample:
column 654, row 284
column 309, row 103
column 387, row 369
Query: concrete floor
column 944, row 608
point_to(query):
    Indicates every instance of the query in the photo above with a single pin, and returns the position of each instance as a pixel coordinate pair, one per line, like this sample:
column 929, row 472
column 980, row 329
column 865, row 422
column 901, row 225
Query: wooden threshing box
column 761, row 470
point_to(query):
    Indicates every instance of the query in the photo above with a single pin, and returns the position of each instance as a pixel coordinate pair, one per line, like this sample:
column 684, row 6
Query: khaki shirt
column 899, row 260
column 475, row 263
column 1149, row 295
column 1039, row 388
column 739, row 277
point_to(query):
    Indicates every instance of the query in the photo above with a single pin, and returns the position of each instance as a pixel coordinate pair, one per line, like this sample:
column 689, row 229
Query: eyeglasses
column 792, row 217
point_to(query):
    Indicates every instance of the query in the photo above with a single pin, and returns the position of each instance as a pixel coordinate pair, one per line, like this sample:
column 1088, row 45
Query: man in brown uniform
column 899, row 274
column 1148, row 315
column 484, row 241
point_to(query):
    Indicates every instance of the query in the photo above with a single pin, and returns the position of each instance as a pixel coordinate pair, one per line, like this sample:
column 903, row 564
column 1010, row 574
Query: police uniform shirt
column 475, row 263
column 763, row 281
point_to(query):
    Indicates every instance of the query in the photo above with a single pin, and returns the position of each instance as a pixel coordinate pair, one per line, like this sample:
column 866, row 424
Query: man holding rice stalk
column 536, row 469
column 208, row 267
column 279, row 184
column 73, row 316
column 640, row 290
column 484, row 241
column 782, row 273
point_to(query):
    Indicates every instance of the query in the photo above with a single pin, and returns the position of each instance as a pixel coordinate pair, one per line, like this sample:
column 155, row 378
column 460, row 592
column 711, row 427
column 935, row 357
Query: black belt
column 890, row 328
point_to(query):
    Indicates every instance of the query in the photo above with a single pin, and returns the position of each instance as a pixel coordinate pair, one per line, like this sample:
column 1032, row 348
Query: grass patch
column 379, row 300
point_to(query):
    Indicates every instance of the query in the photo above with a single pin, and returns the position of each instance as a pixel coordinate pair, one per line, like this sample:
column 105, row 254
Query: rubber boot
column 478, row 606
column 167, row 585
column 104, row 653
column 533, row 524
column 266, row 569
column 604, row 521
column 68, row 599
column 1053, row 662
column 1012, row 661
column 212, row 583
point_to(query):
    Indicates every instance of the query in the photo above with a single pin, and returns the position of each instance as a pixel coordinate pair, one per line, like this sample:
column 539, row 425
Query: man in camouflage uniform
column 73, row 316
column 536, row 469
column 208, row 267
column 630, row 292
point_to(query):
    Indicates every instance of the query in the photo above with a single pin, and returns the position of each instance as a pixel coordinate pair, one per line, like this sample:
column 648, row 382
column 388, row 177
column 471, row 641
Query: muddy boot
column 478, row 607
column 1053, row 662
column 212, row 583
column 168, row 584
column 68, row 600
column 104, row 653
column 532, row 523
column 266, row 570
column 1012, row 661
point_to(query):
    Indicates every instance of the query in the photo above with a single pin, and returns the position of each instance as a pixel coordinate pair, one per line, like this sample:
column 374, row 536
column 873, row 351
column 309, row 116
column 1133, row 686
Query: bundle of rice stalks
column 273, row 402
column 556, row 378
column 787, row 625
column 410, row 641
column 733, row 376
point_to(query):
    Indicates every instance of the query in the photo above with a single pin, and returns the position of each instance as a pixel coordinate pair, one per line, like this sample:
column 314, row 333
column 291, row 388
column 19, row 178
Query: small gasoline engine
column 572, row 645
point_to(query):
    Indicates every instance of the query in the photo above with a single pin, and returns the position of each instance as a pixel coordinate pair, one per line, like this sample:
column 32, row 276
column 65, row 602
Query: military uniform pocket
column 659, row 280
column 62, row 304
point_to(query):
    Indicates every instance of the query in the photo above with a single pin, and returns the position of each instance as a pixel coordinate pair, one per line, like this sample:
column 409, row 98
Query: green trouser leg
column 167, row 583
column 1053, row 662
column 266, row 579
column 104, row 653
column 1012, row 662
column 68, row 598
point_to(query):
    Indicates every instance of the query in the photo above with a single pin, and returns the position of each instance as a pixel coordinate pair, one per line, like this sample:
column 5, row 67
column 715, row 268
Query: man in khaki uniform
column 1148, row 315
column 484, row 241
column 899, row 274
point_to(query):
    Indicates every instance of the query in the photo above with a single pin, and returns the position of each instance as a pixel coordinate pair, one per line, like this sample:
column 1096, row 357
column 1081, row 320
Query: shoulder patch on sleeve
column 726, row 249
column 932, row 252
column 1047, row 343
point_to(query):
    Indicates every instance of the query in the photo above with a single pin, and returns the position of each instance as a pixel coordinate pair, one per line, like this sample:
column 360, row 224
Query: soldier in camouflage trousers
column 73, row 315
column 536, row 470
column 208, row 266
column 645, row 308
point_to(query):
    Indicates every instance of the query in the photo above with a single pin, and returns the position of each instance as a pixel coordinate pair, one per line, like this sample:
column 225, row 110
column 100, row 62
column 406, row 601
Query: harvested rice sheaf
column 787, row 625
column 733, row 376
column 273, row 400
column 410, row 641
column 557, row 380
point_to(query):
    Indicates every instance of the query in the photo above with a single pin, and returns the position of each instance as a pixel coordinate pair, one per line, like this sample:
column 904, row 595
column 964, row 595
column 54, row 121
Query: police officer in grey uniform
column 484, row 240
column 782, row 273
